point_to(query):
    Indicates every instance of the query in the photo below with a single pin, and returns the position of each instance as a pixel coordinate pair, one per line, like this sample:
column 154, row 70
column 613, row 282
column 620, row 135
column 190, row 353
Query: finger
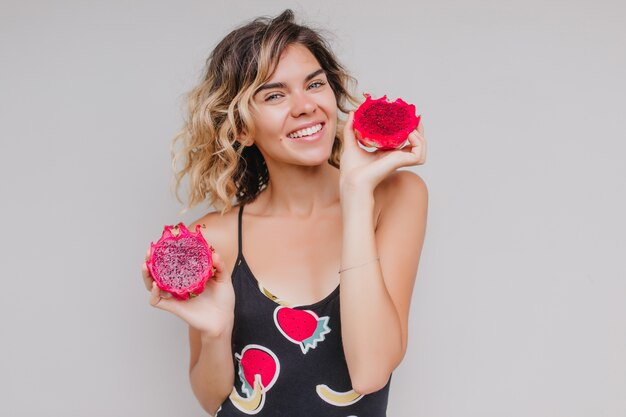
column 414, row 139
column 349, row 139
column 350, row 120
column 420, row 126
column 148, row 254
column 390, row 162
column 408, row 157
column 160, row 302
column 147, row 279
column 419, row 133
column 417, row 139
column 218, row 264
column 221, row 275
column 410, row 154
column 420, row 144
column 417, row 147
column 155, row 296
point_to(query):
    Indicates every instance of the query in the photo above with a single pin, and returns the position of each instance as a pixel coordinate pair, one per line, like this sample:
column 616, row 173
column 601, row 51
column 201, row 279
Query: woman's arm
column 376, row 293
column 210, row 316
column 211, row 370
column 375, row 297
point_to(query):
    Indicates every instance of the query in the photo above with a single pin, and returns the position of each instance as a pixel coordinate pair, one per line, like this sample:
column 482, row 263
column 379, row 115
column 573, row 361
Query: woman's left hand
column 364, row 170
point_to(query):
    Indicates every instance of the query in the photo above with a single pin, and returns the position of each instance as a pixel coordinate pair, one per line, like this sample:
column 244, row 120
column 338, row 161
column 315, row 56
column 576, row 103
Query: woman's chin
column 315, row 162
column 314, row 157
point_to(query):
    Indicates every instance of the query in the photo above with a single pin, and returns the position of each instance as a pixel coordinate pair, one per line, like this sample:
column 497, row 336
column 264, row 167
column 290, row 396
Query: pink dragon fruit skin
column 302, row 327
column 257, row 360
column 181, row 264
column 384, row 125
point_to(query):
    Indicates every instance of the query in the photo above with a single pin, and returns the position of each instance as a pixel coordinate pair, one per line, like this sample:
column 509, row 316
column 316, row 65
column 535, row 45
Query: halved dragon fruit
column 384, row 125
column 302, row 327
column 181, row 264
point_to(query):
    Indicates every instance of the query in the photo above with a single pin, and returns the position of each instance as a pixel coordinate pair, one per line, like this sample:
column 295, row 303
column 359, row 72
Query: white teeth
column 306, row 132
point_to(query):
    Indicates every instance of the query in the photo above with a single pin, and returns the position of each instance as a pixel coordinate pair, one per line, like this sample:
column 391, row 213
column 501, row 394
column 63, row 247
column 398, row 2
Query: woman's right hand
column 211, row 312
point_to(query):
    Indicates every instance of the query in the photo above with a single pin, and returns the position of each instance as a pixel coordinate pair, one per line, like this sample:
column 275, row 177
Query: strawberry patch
column 302, row 327
column 257, row 360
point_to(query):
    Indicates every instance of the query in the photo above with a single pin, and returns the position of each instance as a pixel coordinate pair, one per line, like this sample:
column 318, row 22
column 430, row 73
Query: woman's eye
column 276, row 96
column 317, row 84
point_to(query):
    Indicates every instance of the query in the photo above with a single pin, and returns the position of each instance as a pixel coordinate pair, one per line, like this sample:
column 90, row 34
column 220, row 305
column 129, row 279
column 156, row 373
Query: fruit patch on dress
column 272, row 297
column 302, row 327
column 258, row 371
column 339, row 399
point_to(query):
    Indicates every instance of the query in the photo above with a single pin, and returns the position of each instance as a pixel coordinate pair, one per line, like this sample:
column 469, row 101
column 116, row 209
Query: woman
column 315, row 213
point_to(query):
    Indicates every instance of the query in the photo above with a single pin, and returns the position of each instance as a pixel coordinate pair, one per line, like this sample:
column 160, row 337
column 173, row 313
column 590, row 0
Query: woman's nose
column 302, row 104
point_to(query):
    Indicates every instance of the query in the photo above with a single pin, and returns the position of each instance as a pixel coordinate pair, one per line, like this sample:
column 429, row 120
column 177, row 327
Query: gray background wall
column 519, row 304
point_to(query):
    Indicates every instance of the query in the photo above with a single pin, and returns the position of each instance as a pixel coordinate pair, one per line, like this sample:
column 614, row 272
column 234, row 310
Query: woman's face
column 296, row 111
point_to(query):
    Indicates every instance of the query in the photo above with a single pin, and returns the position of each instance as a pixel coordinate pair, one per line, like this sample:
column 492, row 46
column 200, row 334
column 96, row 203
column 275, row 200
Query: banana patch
column 258, row 370
column 254, row 403
column 340, row 399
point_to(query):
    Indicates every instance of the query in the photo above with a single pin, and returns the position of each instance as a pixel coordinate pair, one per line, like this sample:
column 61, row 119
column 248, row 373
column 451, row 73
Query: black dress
column 289, row 361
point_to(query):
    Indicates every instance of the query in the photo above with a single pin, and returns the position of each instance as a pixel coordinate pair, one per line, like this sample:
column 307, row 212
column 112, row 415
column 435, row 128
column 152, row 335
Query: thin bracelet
column 365, row 263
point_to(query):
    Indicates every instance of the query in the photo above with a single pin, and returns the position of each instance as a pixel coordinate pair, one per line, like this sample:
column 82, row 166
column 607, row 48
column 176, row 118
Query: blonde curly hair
column 219, row 166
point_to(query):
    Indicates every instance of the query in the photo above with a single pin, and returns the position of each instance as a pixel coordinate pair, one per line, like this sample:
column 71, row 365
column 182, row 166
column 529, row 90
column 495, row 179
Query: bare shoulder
column 220, row 231
column 404, row 188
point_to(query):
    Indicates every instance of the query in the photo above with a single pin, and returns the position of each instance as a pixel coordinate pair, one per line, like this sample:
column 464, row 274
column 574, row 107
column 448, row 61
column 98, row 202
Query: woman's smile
column 308, row 134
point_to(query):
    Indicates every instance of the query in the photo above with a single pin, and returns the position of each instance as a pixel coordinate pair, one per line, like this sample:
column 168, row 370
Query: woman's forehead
column 296, row 60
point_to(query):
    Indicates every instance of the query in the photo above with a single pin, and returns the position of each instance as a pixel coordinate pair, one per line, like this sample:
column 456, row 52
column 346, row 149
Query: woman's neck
column 303, row 192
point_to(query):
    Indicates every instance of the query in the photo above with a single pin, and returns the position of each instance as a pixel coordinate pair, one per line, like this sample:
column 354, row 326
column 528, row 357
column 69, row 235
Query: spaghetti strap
column 239, row 253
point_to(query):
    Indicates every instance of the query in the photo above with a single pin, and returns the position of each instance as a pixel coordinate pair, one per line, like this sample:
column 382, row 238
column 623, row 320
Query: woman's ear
column 245, row 139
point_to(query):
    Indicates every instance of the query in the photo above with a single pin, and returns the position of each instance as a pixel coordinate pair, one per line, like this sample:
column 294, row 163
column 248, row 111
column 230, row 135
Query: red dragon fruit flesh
column 383, row 124
column 181, row 264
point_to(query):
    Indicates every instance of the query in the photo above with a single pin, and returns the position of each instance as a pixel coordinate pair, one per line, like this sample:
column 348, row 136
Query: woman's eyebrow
column 283, row 85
